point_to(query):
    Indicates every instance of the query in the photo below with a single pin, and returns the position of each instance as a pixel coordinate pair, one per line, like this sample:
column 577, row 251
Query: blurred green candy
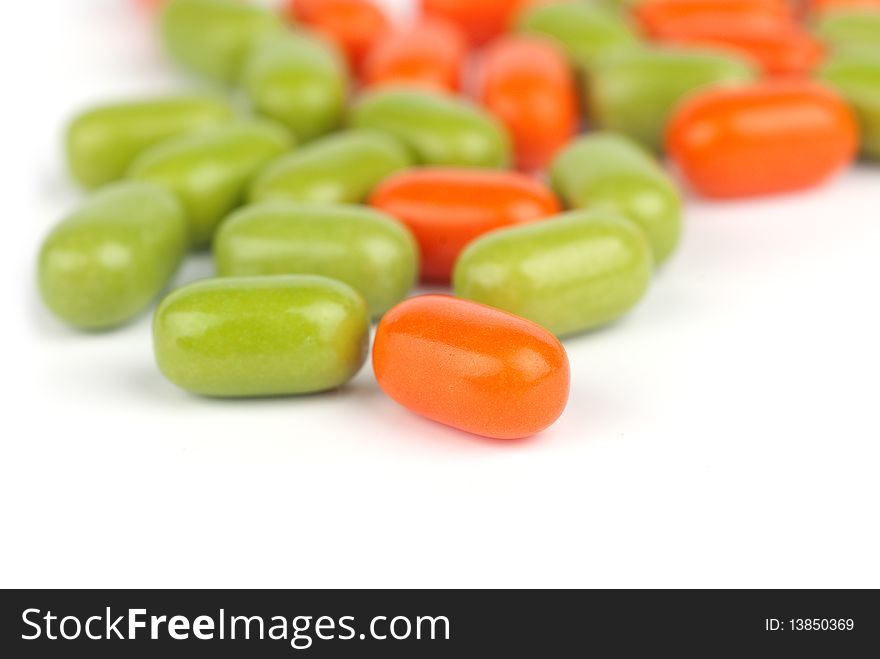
column 106, row 262
column 856, row 75
column 261, row 336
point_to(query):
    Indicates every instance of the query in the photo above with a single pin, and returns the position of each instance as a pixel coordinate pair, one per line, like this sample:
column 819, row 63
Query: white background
column 724, row 434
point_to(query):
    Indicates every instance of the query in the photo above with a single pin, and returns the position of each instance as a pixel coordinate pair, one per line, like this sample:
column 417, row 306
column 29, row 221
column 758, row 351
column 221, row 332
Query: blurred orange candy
column 481, row 20
column 527, row 83
column 824, row 5
column 429, row 54
column 353, row 25
column 658, row 17
column 789, row 51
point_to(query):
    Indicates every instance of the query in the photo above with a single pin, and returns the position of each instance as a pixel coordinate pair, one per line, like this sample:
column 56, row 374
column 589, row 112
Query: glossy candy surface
column 366, row 249
column 857, row 77
column 261, row 336
column 481, row 20
column 573, row 273
column 437, row 129
column 447, row 209
column 103, row 142
column 210, row 170
column 212, row 38
column 610, row 171
column 635, row 91
column 526, row 82
column 353, row 25
column 657, row 18
column 339, row 169
column 298, row 81
column 585, row 32
column 768, row 138
column 107, row 261
column 471, row 367
column 429, row 54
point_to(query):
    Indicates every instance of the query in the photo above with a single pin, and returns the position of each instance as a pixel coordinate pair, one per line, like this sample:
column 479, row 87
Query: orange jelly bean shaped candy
column 429, row 54
column 353, row 25
column 657, row 17
column 528, row 85
column 481, row 20
column 446, row 209
column 471, row 367
column 762, row 139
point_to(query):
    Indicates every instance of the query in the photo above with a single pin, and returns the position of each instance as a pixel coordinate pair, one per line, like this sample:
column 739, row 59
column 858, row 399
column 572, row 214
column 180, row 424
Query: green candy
column 635, row 91
column 212, row 38
column 261, row 336
column 105, row 263
column 583, row 31
column 364, row 248
column 210, row 170
column 609, row 171
column 570, row 274
column 850, row 29
column 299, row 81
column 102, row 142
column 857, row 77
column 339, row 169
column 438, row 129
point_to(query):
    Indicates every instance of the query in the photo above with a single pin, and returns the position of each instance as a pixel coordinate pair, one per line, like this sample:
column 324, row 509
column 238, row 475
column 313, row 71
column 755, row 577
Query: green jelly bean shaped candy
column 583, row 31
column 570, row 274
column 610, row 171
column 857, row 77
column 850, row 29
column 212, row 38
column 438, row 129
column 261, row 336
column 364, row 248
column 635, row 91
column 338, row 169
column 103, row 142
column 105, row 263
column 299, row 81
column 211, row 170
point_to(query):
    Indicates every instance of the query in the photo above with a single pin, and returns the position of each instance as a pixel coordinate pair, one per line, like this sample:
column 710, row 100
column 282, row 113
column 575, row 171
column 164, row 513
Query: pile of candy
column 372, row 156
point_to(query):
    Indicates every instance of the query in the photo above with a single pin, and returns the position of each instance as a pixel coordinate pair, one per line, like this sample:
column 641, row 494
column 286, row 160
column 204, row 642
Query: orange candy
column 447, row 209
column 429, row 54
column 528, row 85
column 353, row 25
column 767, row 138
column 823, row 5
column 471, row 367
column 481, row 20
column 658, row 17
column 779, row 52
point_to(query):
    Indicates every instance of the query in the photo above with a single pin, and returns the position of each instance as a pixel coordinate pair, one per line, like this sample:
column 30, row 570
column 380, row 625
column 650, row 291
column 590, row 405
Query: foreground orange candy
column 481, row 20
column 353, row 25
column 528, row 84
column 471, row 367
column 447, row 209
column 767, row 138
column 429, row 54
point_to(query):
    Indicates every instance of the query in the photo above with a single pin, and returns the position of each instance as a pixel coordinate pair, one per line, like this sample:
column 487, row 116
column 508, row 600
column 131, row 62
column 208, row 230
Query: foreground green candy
column 210, row 170
column 635, row 91
column 585, row 32
column 299, row 81
column 857, row 77
column 364, row 248
column 106, row 262
column 212, row 38
column 610, row 171
column 339, row 169
column 570, row 274
column 438, row 129
column 261, row 336
column 103, row 142
column 850, row 29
